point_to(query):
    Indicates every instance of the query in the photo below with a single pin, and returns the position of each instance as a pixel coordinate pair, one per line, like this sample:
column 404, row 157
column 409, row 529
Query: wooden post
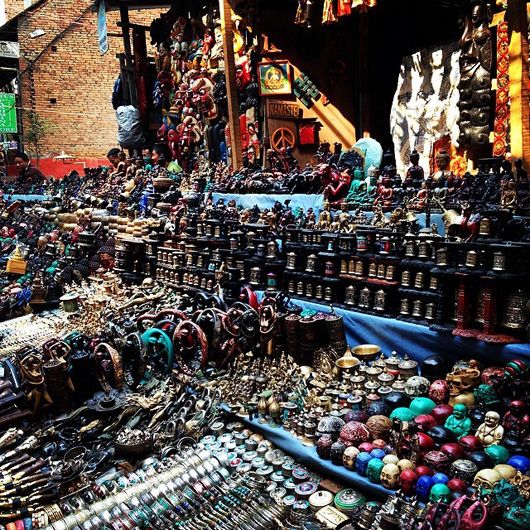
column 231, row 87
column 517, row 18
column 124, row 16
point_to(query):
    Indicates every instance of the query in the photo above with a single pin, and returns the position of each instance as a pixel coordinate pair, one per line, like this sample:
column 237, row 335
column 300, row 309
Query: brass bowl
column 367, row 352
column 347, row 361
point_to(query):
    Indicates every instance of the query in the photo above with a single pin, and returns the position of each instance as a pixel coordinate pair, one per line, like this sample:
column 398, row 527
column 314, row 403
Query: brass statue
column 475, row 76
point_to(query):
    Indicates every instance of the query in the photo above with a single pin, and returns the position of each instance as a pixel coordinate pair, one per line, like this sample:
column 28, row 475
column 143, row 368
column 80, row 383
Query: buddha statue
column 458, row 421
column 415, row 174
column 508, row 195
column 443, row 161
column 490, row 432
column 324, row 219
column 419, row 202
column 356, row 183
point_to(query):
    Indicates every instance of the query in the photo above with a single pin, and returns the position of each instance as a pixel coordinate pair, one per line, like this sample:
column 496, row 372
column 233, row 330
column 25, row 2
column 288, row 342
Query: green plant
column 35, row 130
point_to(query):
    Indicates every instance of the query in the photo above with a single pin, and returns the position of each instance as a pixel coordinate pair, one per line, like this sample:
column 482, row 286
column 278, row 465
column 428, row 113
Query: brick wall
column 82, row 120
column 13, row 8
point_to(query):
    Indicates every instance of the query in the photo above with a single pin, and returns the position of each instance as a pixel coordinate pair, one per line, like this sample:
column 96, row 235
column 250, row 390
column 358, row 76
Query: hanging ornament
column 502, row 115
column 329, row 16
column 363, row 5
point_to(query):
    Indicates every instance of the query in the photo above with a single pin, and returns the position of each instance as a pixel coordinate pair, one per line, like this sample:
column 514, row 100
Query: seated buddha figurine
column 415, row 174
column 385, row 194
column 419, row 202
column 368, row 191
column 358, row 177
column 439, row 178
column 508, row 195
column 324, row 218
column 490, row 432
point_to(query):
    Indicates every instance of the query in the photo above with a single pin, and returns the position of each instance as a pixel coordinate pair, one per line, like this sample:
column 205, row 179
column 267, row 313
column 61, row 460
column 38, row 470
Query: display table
column 418, row 342
column 268, row 201
column 308, row 456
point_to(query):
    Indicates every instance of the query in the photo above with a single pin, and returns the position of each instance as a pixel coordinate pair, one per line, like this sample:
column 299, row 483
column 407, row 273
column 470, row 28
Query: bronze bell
column 350, row 295
column 311, row 263
column 471, row 258
column 300, row 288
column 359, row 268
column 405, row 278
column 499, row 261
column 484, row 227
column 418, row 280
column 423, row 250
column 515, row 310
column 441, row 257
column 410, row 249
column 405, row 307
column 380, row 300
column 364, row 297
column 417, row 309
column 255, row 275
column 291, row 261
column 328, row 294
column 430, row 309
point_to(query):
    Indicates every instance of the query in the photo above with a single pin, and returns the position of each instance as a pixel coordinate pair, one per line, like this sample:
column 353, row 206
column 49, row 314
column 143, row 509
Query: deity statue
column 490, row 432
column 356, row 183
column 516, row 421
column 508, row 195
column 415, row 173
column 458, row 421
column 443, row 160
column 324, row 218
column 475, row 76
column 419, row 202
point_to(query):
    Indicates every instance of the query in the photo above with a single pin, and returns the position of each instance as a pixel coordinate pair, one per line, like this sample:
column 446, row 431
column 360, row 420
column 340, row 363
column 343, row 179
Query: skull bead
column 389, row 476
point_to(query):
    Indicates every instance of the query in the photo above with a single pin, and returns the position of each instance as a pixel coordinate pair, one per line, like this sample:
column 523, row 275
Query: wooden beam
column 516, row 16
column 231, row 87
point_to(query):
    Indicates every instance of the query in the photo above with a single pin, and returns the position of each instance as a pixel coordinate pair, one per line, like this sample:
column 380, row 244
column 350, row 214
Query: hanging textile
column 425, row 106
column 102, row 27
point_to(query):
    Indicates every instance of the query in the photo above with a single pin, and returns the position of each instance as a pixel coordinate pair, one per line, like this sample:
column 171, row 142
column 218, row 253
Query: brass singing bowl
column 367, row 352
column 347, row 361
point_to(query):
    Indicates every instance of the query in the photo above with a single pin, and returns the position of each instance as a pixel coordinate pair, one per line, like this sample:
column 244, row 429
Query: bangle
column 103, row 354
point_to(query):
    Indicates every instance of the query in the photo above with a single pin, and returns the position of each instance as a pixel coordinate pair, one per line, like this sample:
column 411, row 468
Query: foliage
column 35, row 130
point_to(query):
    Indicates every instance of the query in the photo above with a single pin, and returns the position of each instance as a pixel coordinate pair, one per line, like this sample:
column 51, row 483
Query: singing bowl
column 367, row 352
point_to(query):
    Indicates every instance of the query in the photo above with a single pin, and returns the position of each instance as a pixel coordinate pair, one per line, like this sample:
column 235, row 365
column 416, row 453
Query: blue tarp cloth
column 268, row 201
column 308, row 456
column 418, row 342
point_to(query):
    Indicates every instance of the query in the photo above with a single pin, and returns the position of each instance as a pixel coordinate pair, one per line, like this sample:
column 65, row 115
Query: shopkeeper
column 29, row 175
column 161, row 157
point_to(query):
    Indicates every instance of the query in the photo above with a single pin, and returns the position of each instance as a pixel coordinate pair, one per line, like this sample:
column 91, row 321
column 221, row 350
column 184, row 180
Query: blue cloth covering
column 268, row 201
column 309, row 457
column 26, row 197
column 418, row 342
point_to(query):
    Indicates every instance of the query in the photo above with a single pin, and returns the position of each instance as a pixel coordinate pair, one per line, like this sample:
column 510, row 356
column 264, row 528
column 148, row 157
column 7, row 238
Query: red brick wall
column 13, row 8
column 81, row 80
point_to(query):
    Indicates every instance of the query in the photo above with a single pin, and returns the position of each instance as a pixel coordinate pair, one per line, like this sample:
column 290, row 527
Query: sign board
column 283, row 110
column 8, row 113
column 10, row 50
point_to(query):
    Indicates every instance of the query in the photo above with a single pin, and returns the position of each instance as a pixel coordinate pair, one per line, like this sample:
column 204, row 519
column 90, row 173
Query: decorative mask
column 349, row 456
column 439, row 391
column 405, row 464
column 361, row 463
column 486, row 479
column 423, row 487
column 464, row 470
column 389, row 476
column 374, row 469
column 462, row 380
column 417, row 386
column 439, row 493
column 507, row 472
column 407, row 481
column 505, row 494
